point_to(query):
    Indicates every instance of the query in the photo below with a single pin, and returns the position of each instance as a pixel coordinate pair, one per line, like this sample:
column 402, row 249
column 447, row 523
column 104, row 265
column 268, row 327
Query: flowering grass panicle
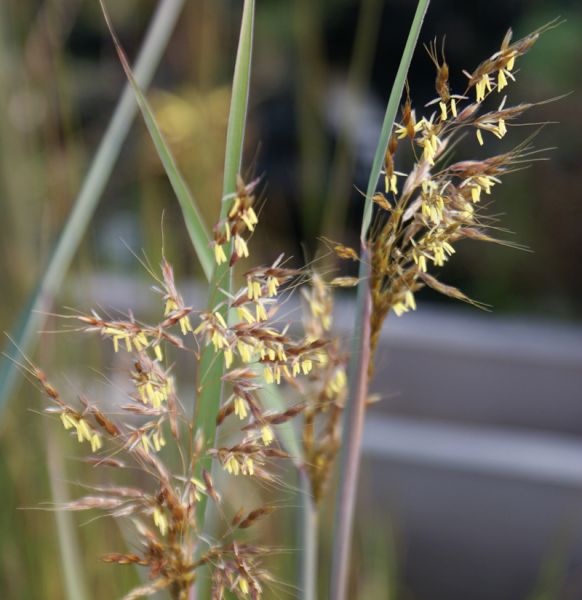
column 256, row 347
column 422, row 215
column 325, row 390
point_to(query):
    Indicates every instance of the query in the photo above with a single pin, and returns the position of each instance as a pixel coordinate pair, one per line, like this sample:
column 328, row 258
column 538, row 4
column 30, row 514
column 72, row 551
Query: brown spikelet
column 104, row 422
column 210, row 486
column 255, row 515
column 345, row 252
column 92, row 502
column 104, row 462
column 344, row 281
column 237, row 517
column 225, row 411
column 123, row 559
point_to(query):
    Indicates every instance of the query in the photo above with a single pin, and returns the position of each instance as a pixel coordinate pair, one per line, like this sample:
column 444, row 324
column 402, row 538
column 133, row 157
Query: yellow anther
column 240, row 246
column 272, row 286
column 245, row 351
column 240, row 408
column 260, row 312
column 67, row 421
column 501, row 80
column 306, row 366
column 228, row 357
column 479, row 137
column 443, row 108
column 96, row 442
column 243, row 584
column 235, row 207
column 219, row 254
column 220, row 319
column 160, row 520
column 185, row 325
column 250, row 466
column 245, row 314
column 267, row 435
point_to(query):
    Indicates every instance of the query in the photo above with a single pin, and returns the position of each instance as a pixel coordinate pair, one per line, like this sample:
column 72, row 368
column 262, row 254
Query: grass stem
column 352, row 440
column 358, row 369
column 309, row 530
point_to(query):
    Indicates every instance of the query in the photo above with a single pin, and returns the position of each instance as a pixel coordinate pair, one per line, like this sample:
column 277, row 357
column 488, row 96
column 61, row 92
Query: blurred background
column 472, row 477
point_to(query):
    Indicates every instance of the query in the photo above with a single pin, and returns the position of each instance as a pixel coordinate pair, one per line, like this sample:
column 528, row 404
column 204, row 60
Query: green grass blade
column 192, row 218
column 211, row 367
column 391, row 110
column 358, row 368
column 32, row 317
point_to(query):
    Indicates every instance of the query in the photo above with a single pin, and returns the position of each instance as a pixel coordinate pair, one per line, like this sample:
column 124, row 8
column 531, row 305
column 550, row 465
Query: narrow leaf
column 391, row 110
column 192, row 218
column 211, row 366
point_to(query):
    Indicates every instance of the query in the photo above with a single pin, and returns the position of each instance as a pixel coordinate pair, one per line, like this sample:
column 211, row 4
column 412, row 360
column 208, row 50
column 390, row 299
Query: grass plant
column 171, row 464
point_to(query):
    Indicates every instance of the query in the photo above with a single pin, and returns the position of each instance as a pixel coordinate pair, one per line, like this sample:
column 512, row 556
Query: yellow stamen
column 267, row 435
column 96, row 442
column 160, row 520
column 219, row 254
column 240, row 246
column 245, row 314
column 240, row 408
column 218, row 316
column 479, row 137
column 501, row 80
column 272, row 285
column 443, row 108
column 260, row 312
column 243, row 584
column 235, row 207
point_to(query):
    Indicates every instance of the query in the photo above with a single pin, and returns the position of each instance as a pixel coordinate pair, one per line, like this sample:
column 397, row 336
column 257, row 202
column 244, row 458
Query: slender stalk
column 358, row 370
column 351, row 448
column 211, row 367
column 156, row 40
column 309, row 531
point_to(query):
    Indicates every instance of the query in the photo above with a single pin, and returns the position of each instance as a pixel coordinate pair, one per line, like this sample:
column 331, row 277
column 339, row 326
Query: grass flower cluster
column 424, row 213
column 243, row 343
column 256, row 348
